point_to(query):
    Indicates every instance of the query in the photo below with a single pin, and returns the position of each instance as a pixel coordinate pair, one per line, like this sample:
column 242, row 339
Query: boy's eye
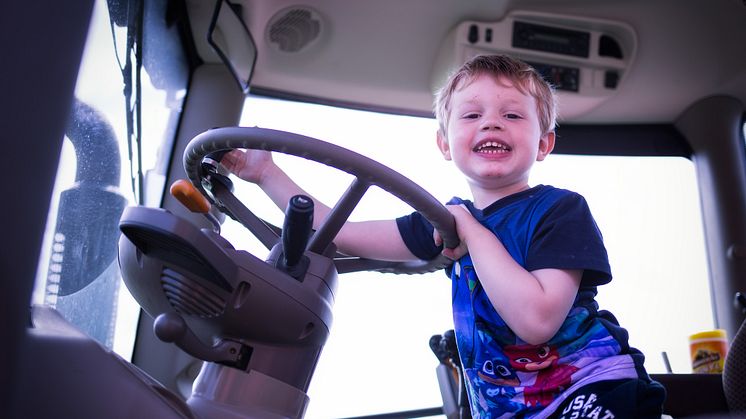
column 471, row 116
column 512, row 116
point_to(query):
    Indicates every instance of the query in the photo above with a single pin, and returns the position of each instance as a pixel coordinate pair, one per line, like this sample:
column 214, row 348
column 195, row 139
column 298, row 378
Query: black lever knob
column 171, row 328
column 296, row 230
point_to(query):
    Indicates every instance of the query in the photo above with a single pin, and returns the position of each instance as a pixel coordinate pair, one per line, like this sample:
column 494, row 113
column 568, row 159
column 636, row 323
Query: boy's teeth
column 492, row 147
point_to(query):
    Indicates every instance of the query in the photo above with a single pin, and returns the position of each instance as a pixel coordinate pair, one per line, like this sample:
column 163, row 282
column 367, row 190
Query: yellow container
column 708, row 350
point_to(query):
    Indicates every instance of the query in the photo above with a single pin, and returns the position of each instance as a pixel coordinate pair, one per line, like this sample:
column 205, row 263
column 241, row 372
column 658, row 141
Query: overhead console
column 586, row 59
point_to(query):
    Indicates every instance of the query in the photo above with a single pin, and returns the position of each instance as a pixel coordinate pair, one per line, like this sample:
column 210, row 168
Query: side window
column 648, row 210
column 98, row 173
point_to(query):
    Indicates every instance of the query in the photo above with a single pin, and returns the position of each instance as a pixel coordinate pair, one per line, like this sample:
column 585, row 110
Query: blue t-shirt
column 542, row 227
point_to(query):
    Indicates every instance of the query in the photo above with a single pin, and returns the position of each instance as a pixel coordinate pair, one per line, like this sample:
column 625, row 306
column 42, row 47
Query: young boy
column 531, row 339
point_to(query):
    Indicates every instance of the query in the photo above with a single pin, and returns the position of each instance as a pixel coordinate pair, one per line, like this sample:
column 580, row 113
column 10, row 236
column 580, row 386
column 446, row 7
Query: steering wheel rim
column 366, row 172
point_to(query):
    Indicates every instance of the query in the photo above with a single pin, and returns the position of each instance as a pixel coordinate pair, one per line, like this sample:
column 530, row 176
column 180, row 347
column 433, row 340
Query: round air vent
column 294, row 28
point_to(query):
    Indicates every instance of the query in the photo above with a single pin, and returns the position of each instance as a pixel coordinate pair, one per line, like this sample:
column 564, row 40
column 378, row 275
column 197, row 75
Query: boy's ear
column 443, row 145
column 546, row 145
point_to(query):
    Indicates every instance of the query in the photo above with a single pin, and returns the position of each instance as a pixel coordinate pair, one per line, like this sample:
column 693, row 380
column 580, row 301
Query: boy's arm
column 533, row 304
column 369, row 239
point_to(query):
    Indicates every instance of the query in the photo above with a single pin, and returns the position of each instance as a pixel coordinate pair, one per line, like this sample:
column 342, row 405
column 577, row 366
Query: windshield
column 377, row 358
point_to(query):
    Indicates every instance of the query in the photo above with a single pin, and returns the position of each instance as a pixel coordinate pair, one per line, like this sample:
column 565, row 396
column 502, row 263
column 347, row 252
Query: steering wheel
column 202, row 172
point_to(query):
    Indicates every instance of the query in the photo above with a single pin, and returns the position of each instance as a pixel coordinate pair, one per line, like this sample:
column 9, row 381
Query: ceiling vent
column 294, row 29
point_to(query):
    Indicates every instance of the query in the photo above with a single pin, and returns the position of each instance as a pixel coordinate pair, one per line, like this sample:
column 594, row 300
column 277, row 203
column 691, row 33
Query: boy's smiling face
column 493, row 137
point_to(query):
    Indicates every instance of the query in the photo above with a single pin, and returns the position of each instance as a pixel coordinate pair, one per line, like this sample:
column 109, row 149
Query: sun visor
column 586, row 59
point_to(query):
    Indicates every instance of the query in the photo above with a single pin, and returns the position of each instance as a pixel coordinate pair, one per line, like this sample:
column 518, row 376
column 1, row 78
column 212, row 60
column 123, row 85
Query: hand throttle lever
column 296, row 230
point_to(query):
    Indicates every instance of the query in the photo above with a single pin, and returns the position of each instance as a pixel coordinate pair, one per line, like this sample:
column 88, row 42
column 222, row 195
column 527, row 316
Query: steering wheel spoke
column 338, row 216
column 266, row 233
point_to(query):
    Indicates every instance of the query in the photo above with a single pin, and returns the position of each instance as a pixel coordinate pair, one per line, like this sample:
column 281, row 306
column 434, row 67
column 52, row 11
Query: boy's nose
column 492, row 124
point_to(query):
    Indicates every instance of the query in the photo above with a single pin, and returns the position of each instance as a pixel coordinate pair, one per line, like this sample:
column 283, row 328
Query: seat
column 734, row 371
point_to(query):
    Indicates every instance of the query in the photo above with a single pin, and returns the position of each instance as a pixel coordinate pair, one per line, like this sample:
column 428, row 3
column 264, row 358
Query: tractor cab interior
column 142, row 279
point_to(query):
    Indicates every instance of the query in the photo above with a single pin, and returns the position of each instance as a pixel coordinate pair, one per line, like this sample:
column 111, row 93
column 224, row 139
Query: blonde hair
column 524, row 77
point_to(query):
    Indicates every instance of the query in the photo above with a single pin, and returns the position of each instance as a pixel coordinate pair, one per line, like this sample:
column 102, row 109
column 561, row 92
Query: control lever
column 171, row 328
column 296, row 230
column 189, row 196
column 211, row 175
column 210, row 161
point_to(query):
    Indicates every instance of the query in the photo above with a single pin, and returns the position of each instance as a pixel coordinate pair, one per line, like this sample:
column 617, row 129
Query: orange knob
column 189, row 196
